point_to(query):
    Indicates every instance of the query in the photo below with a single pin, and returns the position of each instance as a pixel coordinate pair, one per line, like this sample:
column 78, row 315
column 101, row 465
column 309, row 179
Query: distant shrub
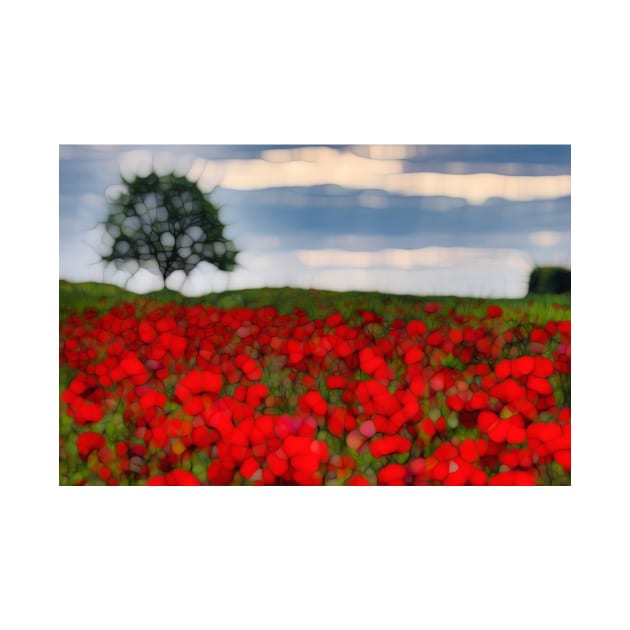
column 550, row 280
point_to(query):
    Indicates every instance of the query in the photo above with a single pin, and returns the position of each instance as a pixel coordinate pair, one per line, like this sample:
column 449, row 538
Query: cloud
column 317, row 166
column 386, row 168
column 443, row 257
column 547, row 238
column 477, row 188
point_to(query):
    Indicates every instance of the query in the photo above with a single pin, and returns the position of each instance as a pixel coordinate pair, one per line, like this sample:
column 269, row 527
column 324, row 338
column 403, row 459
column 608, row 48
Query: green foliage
column 555, row 280
column 165, row 221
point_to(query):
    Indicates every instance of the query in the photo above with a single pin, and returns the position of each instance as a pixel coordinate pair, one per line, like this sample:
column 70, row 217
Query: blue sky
column 433, row 220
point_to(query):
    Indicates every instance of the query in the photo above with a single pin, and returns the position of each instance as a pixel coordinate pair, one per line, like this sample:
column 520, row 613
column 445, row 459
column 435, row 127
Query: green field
column 76, row 297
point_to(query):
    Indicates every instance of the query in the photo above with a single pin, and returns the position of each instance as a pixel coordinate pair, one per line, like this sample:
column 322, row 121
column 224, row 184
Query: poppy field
column 323, row 389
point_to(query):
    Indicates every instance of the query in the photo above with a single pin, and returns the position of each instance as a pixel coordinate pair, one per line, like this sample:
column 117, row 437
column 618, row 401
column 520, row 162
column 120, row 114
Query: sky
column 427, row 220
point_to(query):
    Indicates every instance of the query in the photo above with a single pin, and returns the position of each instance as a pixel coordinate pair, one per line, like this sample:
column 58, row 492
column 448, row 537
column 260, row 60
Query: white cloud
column 439, row 257
column 313, row 166
column 479, row 187
column 547, row 238
column 310, row 167
column 375, row 167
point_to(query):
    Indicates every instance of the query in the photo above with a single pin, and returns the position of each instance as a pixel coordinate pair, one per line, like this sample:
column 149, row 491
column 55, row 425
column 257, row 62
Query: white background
column 329, row 72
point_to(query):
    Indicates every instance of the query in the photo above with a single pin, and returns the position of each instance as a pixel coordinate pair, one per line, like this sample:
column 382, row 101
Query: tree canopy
column 168, row 222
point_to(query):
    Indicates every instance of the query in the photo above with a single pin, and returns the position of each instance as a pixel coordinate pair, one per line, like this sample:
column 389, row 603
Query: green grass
column 76, row 297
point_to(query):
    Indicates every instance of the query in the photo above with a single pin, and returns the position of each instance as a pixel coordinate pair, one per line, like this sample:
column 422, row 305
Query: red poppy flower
column 523, row 366
column 515, row 435
column 455, row 335
column 543, row 367
column 539, row 335
column 432, row 307
column 87, row 412
column 307, row 463
column 278, row 463
column 508, row 391
column 478, row 477
column 147, row 332
column 494, row 311
column 392, row 474
column 509, row 458
column 440, row 425
column 179, row 477
column 455, row 403
column 539, row 385
column 513, row 478
column 445, row 452
column 416, row 328
column 413, row 355
column 89, row 441
column 256, row 394
column 153, row 398
column 468, row 450
column 336, row 382
column 357, row 480
column 250, row 469
column 438, row 381
column 295, row 445
column 312, row 402
column 498, row 432
column 479, row 400
column 387, row 445
column 132, row 366
column 459, row 472
column 563, row 458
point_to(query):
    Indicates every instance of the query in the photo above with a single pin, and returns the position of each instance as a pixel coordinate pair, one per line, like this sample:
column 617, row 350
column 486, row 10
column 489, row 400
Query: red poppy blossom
column 413, row 355
column 416, row 328
column 179, row 477
column 468, row 450
column 256, row 394
column 479, row 400
column 503, row 369
column 498, row 432
column 539, row 385
column 249, row 469
column 153, row 398
column 508, row 391
column 563, row 458
column 543, row 367
column 513, row 478
column 445, row 452
column 132, row 366
column 357, row 480
column 432, row 307
column 522, row 366
column 278, row 465
column 336, row 382
column 295, row 445
column 455, row 403
column 392, row 474
column 306, row 463
column 87, row 412
column 313, row 402
column 389, row 444
column 89, row 441
column 494, row 311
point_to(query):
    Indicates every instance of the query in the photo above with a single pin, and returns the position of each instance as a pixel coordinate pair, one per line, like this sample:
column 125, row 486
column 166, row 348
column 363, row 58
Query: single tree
column 549, row 280
column 168, row 222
